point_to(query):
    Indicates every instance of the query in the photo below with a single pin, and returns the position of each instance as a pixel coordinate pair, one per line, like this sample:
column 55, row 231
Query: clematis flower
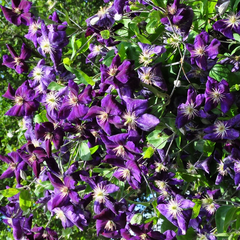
column 25, row 104
column 19, row 14
column 200, row 52
column 208, row 202
column 120, row 146
column 17, row 62
column 52, row 42
column 144, row 231
column 96, row 50
column 42, row 74
column 108, row 224
column 71, row 216
column 74, row 104
column 48, row 133
column 177, row 212
column 127, row 171
column 228, row 25
column 222, row 130
column 148, row 52
column 218, row 92
column 34, row 30
column 16, row 164
column 101, row 194
column 187, row 111
column 152, row 76
column 180, row 16
column 64, row 191
column 107, row 115
column 135, row 115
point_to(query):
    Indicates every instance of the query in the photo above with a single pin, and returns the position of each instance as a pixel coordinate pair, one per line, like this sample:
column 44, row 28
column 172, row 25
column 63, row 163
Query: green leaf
column 81, row 76
column 142, row 38
column 105, row 34
column 122, row 52
column 41, row 117
column 189, row 235
column 109, row 57
column 137, row 219
column 160, row 3
column 9, row 192
column 230, row 216
column 94, row 149
column 208, row 147
column 221, row 216
column 146, row 204
column 85, row 153
column 148, row 152
column 153, row 219
column 166, row 225
column 158, row 139
column 55, row 86
column 196, row 208
column 25, row 200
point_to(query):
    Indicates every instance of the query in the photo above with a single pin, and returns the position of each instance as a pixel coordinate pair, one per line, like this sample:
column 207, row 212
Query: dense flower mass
column 130, row 122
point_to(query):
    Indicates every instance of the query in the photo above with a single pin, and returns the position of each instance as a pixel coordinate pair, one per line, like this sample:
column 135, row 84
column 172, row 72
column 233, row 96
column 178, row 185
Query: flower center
column 216, row 95
column 143, row 236
column 19, row 100
column 34, row 27
column 233, row 21
column 161, row 184
column 37, row 73
column 32, row 158
column 102, row 116
column 130, row 120
column 160, row 167
column 48, row 136
column 13, row 165
column 110, row 225
column 64, row 190
column 125, row 173
column 73, row 100
column 174, row 208
column 172, row 10
column 46, row 46
column 17, row 60
column 97, row 49
column 119, row 151
column 113, row 71
column 221, row 169
column 189, row 110
column 17, row 11
column 221, row 129
column 200, row 51
column 100, row 193
column 52, row 100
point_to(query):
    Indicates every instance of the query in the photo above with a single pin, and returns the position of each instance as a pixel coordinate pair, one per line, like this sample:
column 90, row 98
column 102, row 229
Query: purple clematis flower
column 64, row 192
column 145, row 232
column 152, row 76
column 108, row 224
column 148, row 52
column 16, row 164
column 108, row 115
column 187, row 111
column 96, row 50
column 120, row 146
column 19, row 14
column 52, row 42
column 17, row 62
column 180, row 16
column 34, row 30
column 177, row 212
column 101, row 194
column 25, row 104
column 71, row 216
column 48, row 133
column 42, row 74
column 218, row 92
column 74, row 104
column 128, row 171
column 135, row 115
column 41, row 233
column 200, row 52
column 228, row 25
column 223, row 130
